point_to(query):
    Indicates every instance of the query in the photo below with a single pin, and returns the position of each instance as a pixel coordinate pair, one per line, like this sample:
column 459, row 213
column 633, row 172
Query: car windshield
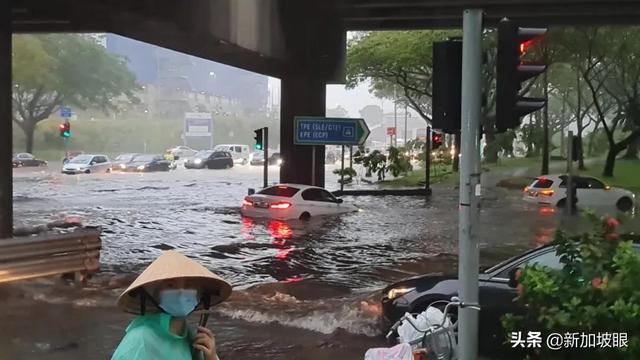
column 204, row 153
column 145, row 158
column 283, row 191
column 124, row 157
column 81, row 159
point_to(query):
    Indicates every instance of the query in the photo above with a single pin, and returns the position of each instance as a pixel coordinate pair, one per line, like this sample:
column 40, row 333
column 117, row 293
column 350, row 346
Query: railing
column 50, row 254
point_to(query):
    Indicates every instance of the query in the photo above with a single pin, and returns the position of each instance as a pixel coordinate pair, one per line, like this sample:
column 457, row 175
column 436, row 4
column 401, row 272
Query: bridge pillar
column 6, row 123
column 303, row 93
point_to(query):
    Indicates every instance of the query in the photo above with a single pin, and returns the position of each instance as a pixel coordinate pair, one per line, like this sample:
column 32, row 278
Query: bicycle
column 438, row 341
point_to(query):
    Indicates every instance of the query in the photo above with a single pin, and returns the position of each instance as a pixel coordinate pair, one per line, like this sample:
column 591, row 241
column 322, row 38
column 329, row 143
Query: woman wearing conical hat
column 166, row 292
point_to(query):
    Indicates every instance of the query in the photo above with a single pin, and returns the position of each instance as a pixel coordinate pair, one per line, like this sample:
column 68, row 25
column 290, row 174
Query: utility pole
column 405, row 124
column 395, row 118
column 468, row 256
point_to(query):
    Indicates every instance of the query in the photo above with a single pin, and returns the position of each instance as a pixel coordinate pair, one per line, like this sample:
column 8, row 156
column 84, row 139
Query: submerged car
column 257, row 158
column 87, row 164
column 551, row 190
column 198, row 160
column 182, row 152
column 497, row 291
column 211, row 160
column 148, row 163
column 26, row 159
column 293, row 201
column 121, row 161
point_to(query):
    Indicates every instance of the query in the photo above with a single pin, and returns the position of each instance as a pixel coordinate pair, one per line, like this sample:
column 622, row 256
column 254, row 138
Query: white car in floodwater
column 87, row 164
column 293, row 201
column 551, row 190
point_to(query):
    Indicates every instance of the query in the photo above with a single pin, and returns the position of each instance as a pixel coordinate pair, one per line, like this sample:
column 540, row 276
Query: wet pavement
column 308, row 282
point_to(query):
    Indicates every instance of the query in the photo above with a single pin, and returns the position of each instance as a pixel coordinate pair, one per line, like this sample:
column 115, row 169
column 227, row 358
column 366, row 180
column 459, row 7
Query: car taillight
column 247, row 202
column 280, row 205
column 547, row 192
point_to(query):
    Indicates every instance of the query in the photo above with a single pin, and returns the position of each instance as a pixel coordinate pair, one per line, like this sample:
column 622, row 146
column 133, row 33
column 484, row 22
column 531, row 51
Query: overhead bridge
column 302, row 42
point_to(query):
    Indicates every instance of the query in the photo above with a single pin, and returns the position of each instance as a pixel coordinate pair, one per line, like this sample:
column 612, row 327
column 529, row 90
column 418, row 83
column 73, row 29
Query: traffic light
column 65, row 129
column 513, row 42
column 436, row 140
column 258, row 138
column 447, row 85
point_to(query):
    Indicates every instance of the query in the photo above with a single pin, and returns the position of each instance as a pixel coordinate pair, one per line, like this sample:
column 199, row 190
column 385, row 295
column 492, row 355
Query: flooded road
column 313, row 275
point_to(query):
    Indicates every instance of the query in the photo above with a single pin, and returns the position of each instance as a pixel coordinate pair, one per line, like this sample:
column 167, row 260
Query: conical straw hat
column 173, row 265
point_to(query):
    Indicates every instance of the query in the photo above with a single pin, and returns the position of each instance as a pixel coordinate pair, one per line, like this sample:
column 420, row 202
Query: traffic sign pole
column 468, row 256
column 265, row 144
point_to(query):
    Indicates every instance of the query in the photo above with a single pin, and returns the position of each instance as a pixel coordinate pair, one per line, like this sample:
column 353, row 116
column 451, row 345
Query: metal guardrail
column 50, row 254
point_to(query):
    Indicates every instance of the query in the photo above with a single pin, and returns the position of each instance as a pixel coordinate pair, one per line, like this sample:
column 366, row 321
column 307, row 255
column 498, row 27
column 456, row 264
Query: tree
column 63, row 69
column 338, row 112
column 607, row 60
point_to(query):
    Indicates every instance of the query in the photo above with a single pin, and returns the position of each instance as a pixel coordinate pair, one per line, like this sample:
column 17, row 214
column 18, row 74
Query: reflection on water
column 322, row 270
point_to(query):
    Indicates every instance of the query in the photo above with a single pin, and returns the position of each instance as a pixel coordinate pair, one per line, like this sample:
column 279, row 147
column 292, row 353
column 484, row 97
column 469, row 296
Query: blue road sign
column 65, row 112
column 310, row 130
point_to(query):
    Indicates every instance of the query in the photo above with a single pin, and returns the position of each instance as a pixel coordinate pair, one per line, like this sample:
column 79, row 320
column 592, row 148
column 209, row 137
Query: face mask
column 178, row 302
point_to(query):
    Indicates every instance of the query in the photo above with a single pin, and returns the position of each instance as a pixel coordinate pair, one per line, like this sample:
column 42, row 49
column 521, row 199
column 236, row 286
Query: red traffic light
column 436, row 140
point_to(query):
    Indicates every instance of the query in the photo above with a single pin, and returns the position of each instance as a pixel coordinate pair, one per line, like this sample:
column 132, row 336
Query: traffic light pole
column 265, row 144
column 427, row 160
column 468, row 260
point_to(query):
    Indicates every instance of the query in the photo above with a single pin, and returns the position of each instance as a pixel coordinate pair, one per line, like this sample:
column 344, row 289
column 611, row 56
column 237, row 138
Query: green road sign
column 309, row 130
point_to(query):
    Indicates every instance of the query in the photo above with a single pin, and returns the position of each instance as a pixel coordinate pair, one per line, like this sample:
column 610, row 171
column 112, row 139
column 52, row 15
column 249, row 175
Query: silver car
column 87, row 164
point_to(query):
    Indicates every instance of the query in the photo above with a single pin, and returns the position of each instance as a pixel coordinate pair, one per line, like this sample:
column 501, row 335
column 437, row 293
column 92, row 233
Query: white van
column 240, row 153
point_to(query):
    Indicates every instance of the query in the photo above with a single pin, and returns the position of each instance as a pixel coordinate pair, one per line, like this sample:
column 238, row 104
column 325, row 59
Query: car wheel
column 305, row 216
column 108, row 171
column 244, row 161
column 624, row 204
column 562, row 203
column 87, row 171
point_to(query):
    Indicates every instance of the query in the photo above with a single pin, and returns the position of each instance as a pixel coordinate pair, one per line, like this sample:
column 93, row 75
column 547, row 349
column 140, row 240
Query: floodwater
column 320, row 276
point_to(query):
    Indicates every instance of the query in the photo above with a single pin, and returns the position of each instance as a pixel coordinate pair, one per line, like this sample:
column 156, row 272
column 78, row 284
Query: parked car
column 87, row 164
column 182, row 152
column 239, row 152
column 198, row 160
column 26, row 159
column 257, row 158
column 121, row 161
column 497, row 290
column 219, row 160
column 148, row 163
column 551, row 190
column 293, row 201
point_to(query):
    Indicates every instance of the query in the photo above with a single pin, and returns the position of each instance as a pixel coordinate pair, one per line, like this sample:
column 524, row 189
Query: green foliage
column 374, row 162
column 398, row 63
column 50, row 70
column 399, row 162
column 348, row 173
column 596, row 291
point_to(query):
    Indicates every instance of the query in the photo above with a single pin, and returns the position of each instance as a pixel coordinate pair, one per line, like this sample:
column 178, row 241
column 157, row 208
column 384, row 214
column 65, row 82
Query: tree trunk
column 579, row 118
column 29, row 130
column 632, row 149
column 592, row 137
column 611, row 161
column 456, row 157
column 491, row 150
column 545, row 124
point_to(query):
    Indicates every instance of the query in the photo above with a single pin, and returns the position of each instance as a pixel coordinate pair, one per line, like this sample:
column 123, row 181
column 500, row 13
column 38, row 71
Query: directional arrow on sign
column 310, row 130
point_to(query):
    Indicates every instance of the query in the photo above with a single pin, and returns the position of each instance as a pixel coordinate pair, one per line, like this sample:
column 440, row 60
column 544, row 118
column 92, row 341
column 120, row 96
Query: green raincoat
column 149, row 337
